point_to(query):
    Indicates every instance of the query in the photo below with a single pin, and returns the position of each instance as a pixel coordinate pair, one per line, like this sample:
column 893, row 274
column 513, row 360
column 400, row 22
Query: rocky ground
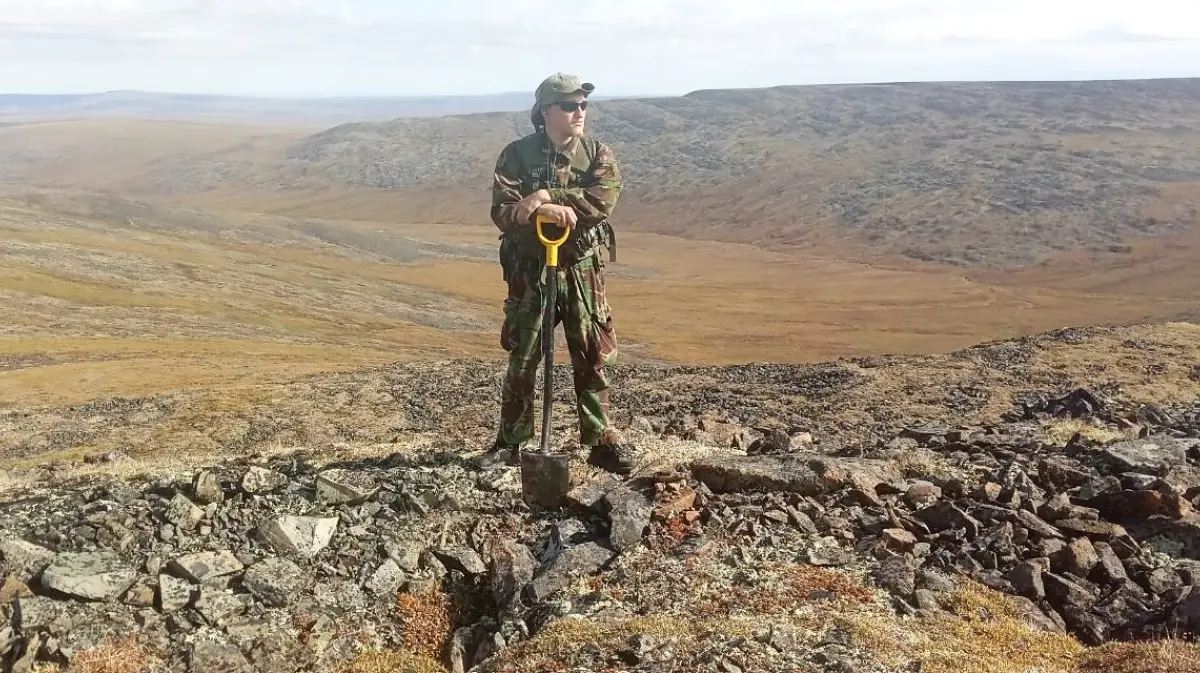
column 992, row 537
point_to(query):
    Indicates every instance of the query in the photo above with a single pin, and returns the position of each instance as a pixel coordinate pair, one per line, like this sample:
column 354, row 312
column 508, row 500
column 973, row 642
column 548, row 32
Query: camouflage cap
column 561, row 86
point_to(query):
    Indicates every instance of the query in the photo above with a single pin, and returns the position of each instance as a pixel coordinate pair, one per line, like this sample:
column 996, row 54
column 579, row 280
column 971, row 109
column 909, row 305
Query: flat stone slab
column 204, row 565
column 93, row 576
column 806, row 474
column 1155, row 457
column 345, row 487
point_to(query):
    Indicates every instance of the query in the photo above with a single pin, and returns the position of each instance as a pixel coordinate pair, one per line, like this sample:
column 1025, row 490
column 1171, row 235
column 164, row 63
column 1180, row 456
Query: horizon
column 596, row 96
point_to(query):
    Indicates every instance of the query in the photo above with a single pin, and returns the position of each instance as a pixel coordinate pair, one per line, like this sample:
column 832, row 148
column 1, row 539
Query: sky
column 626, row 47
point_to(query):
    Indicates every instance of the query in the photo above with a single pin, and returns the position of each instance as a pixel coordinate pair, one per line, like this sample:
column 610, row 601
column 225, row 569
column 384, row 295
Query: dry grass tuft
column 392, row 662
column 1170, row 655
column 429, row 621
column 983, row 633
column 922, row 464
column 1061, row 430
column 552, row 648
column 123, row 655
column 793, row 588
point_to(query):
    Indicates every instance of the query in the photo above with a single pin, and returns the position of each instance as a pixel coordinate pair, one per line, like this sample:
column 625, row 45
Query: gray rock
column 1111, row 569
column 217, row 656
column 277, row 582
column 218, row 606
column 589, row 495
column 203, row 566
column 805, row 474
column 303, row 535
column 825, row 551
column 628, row 512
column 386, row 580
column 513, row 567
column 462, row 559
column 580, row 560
column 259, row 480
column 24, row 560
column 897, row 574
column 206, row 488
column 174, row 593
column 183, row 513
column 1026, row 578
column 1067, row 594
column 1155, row 456
column 406, row 554
column 348, row 487
column 97, row 576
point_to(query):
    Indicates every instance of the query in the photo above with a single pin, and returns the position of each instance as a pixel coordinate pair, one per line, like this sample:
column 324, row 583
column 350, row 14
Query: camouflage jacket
column 584, row 176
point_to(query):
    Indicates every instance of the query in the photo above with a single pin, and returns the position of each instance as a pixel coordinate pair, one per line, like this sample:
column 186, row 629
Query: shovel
column 545, row 477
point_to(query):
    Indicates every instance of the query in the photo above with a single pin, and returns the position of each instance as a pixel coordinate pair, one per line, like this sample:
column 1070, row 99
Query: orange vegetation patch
column 428, row 621
column 796, row 585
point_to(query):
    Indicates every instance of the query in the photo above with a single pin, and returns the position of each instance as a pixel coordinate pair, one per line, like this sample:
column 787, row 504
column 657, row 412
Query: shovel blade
column 545, row 478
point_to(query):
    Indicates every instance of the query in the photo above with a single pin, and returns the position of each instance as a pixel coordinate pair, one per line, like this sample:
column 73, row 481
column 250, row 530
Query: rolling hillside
column 813, row 222
column 1006, row 174
column 991, row 174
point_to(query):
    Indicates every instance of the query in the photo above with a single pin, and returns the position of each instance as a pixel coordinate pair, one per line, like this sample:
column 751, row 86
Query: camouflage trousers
column 584, row 313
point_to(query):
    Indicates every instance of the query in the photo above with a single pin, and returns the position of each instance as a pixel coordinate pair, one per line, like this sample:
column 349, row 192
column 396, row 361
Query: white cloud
column 282, row 47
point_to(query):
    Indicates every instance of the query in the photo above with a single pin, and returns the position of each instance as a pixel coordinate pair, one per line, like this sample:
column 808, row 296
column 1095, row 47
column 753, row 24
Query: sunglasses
column 571, row 106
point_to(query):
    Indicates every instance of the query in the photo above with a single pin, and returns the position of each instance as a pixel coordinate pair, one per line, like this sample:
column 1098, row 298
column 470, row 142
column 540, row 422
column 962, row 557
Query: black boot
column 615, row 458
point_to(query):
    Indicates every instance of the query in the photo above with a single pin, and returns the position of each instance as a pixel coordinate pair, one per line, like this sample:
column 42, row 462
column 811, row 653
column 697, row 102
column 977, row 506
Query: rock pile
column 280, row 565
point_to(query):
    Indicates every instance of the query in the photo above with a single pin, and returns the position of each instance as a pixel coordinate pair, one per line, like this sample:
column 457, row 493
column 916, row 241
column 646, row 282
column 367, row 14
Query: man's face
column 567, row 118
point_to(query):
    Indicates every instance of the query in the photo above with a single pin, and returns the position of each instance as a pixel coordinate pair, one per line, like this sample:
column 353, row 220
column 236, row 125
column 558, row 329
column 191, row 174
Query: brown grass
column 791, row 589
column 123, row 655
column 1170, row 655
column 392, row 662
column 1060, row 431
column 429, row 621
column 222, row 312
column 985, row 634
column 554, row 646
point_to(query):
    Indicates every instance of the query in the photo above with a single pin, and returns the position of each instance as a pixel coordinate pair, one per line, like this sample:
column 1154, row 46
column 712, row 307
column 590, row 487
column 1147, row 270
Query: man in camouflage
column 560, row 173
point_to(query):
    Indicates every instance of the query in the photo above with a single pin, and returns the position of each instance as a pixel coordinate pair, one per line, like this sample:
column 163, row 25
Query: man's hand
column 563, row 216
column 527, row 206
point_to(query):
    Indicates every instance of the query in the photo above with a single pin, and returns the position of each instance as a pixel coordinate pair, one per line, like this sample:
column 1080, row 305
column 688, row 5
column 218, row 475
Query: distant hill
column 1004, row 173
column 322, row 111
column 986, row 174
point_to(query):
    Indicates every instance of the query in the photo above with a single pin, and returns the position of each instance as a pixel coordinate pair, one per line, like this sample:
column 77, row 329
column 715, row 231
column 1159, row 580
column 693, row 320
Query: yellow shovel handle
column 551, row 245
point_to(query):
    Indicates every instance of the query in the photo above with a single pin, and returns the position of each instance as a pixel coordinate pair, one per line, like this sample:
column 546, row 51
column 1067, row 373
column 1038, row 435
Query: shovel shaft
column 549, row 317
column 548, row 320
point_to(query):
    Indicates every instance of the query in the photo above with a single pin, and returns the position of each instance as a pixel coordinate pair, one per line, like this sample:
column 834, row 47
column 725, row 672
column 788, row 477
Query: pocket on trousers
column 507, row 336
column 606, row 339
column 604, row 333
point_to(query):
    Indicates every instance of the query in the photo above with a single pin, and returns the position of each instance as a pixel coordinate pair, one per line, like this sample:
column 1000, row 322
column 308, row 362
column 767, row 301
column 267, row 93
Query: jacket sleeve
column 595, row 202
column 506, row 190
